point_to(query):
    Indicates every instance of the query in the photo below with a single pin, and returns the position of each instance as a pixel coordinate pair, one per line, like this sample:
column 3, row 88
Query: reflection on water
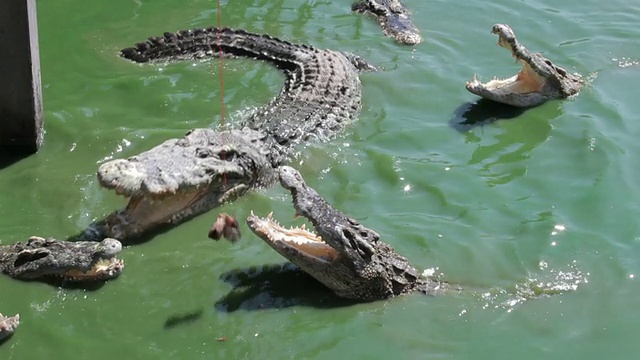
column 501, row 156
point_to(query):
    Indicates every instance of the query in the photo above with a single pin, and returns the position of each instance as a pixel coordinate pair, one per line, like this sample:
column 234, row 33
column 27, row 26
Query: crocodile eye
column 203, row 153
column 227, row 155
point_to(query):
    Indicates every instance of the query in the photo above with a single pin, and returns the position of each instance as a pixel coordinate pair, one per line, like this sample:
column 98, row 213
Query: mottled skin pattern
column 41, row 259
column 182, row 178
column 8, row 325
column 540, row 80
column 343, row 254
column 393, row 17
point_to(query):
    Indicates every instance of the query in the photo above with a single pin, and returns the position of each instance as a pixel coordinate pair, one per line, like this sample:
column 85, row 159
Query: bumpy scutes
column 182, row 178
column 538, row 81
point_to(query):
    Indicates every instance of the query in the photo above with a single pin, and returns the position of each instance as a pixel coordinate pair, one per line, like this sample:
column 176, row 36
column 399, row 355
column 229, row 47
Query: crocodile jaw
column 522, row 89
column 298, row 245
column 538, row 81
column 102, row 269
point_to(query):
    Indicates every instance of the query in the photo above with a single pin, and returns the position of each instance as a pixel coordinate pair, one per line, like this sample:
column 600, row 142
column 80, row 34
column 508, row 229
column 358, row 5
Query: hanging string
column 224, row 175
column 220, row 64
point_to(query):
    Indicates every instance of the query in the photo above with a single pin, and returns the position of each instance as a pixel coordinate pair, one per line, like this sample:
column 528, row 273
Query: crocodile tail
column 209, row 42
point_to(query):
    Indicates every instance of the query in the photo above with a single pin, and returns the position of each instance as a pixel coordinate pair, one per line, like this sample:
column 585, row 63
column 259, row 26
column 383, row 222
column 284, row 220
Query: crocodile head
column 393, row 17
column 81, row 261
column 538, row 81
column 8, row 325
column 181, row 178
column 342, row 254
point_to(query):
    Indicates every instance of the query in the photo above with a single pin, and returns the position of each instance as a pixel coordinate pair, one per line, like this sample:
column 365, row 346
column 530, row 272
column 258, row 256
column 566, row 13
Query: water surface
column 546, row 197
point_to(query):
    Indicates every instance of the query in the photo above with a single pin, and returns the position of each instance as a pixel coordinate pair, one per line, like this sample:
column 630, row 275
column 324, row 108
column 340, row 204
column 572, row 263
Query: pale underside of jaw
column 102, row 269
column 153, row 209
column 524, row 82
column 298, row 238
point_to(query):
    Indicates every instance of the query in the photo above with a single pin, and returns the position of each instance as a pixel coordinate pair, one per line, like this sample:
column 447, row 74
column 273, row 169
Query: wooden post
column 20, row 88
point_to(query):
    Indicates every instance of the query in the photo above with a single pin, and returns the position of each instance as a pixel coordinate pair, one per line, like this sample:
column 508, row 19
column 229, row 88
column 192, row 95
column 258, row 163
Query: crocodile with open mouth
column 43, row 259
column 342, row 254
column 538, row 81
column 8, row 325
column 182, row 178
column 393, row 17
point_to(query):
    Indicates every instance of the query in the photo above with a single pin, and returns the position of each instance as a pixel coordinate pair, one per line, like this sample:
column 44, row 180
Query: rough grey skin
column 184, row 177
column 538, row 81
column 8, row 325
column 40, row 258
column 393, row 17
column 344, row 255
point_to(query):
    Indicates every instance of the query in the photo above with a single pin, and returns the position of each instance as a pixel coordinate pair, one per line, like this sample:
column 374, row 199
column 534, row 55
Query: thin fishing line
column 222, row 155
column 220, row 63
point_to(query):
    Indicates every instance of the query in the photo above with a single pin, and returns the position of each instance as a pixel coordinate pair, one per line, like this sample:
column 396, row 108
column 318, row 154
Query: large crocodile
column 184, row 177
column 343, row 254
column 42, row 259
column 538, row 81
column 393, row 17
column 8, row 325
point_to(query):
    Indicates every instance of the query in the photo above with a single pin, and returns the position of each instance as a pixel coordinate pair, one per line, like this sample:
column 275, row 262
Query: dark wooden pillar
column 20, row 89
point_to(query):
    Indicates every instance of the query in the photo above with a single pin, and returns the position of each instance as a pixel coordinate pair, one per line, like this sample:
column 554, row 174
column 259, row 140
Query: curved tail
column 209, row 42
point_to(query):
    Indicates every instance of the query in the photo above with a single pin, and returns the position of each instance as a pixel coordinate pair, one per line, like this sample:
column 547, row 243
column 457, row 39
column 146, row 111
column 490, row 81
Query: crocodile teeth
column 474, row 80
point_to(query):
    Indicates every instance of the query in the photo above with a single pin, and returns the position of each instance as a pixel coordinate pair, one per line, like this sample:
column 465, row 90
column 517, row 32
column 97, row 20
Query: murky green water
column 549, row 196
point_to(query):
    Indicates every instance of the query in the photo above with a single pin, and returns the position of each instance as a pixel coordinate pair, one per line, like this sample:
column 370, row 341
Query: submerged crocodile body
column 41, row 259
column 8, row 325
column 184, row 177
column 393, row 17
column 538, row 81
column 342, row 254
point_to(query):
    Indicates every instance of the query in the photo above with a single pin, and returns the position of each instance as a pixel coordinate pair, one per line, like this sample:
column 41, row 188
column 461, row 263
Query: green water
column 548, row 196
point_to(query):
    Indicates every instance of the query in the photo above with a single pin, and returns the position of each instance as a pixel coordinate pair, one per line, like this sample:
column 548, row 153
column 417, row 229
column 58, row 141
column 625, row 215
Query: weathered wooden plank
column 20, row 88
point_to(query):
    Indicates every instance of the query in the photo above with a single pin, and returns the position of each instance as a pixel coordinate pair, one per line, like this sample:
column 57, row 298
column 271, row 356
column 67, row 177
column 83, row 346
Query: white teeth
column 270, row 215
column 303, row 227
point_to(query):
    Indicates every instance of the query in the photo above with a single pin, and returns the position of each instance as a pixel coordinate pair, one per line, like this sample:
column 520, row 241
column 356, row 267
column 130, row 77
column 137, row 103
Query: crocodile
column 41, row 259
column 184, row 177
column 393, row 17
column 538, row 81
column 344, row 255
column 8, row 325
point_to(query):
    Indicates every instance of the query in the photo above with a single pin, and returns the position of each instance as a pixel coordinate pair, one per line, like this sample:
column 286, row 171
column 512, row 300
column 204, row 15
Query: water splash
column 553, row 282
column 624, row 62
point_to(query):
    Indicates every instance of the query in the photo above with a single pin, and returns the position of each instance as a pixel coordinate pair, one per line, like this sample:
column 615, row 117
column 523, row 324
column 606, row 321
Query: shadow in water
column 184, row 318
column 92, row 233
column 501, row 154
column 469, row 115
column 59, row 282
column 73, row 285
column 275, row 287
column 7, row 158
column 6, row 339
